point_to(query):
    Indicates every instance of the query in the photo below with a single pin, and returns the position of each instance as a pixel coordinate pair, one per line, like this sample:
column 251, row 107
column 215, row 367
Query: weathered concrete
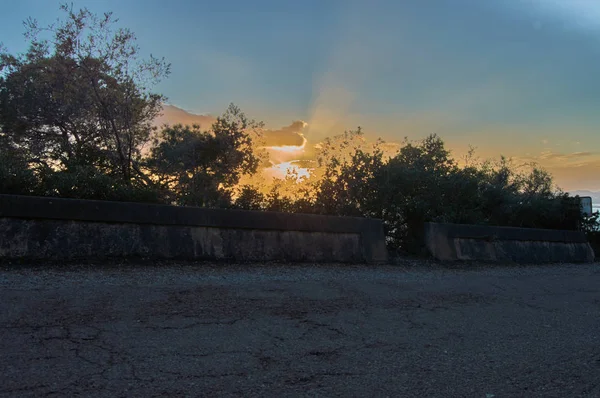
column 451, row 242
column 50, row 228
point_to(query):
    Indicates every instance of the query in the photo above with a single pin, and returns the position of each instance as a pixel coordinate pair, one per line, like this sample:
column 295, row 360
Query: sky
column 510, row 77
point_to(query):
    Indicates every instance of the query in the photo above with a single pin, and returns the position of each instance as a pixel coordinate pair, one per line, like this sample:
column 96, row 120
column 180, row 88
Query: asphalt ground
column 304, row 330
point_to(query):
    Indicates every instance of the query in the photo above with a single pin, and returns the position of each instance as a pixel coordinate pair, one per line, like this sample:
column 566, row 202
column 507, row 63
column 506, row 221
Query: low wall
column 50, row 228
column 451, row 242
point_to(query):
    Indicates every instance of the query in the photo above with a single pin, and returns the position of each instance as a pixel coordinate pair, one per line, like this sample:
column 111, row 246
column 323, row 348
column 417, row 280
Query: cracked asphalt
column 276, row 330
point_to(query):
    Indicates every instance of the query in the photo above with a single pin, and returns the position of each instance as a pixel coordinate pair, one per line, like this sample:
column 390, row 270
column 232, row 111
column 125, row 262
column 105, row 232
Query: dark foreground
column 301, row 331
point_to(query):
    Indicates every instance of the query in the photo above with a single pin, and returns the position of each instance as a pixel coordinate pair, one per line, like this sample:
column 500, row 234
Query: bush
column 422, row 183
column 85, row 182
column 16, row 175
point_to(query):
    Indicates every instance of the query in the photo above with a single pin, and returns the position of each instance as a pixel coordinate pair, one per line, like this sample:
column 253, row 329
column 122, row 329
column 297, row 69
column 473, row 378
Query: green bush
column 86, row 182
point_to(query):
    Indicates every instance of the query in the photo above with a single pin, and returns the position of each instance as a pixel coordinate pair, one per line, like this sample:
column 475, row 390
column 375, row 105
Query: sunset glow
column 513, row 78
column 288, row 148
column 284, row 169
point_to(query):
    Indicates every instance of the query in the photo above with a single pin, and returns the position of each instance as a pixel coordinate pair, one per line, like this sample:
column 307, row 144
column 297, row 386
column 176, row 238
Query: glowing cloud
column 284, row 169
column 286, row 136
column 289, row 148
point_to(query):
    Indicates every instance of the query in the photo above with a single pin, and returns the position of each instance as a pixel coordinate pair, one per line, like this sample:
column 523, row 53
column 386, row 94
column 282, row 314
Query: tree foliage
column 199, row 168
column 81, row 97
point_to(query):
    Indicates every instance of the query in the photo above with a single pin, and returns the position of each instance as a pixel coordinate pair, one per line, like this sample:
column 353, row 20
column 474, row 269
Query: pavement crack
column 23, row 389
column 203, row 376
column 315, row 325
column 326, row 353
column 192, row 325
column 339, row 374
column 204, row 355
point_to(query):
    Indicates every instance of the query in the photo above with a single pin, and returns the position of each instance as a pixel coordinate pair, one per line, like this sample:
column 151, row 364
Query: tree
column 82, row 98
column 348, row 187
column 199, row 168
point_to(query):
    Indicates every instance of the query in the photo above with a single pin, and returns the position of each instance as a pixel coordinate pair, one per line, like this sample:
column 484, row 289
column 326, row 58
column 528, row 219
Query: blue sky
column 513, row 77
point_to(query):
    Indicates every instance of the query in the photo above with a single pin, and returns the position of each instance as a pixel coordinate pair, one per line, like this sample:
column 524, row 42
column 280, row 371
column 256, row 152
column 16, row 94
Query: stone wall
column 50, row 228
column 451, row 242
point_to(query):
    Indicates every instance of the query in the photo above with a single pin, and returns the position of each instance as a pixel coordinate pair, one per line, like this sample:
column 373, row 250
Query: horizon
column 174, row 115
column 510, row 78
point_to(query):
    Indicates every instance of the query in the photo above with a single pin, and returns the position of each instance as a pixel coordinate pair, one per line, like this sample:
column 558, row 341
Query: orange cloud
column 173, row 115
column 285, row 144
column 571, row 171
column 286, row 136
column 582, row 175
column 549, row 155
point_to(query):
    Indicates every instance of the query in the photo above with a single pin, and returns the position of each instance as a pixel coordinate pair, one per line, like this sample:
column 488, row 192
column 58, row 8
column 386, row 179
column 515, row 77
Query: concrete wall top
column 32, row 207
column 485, row 232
